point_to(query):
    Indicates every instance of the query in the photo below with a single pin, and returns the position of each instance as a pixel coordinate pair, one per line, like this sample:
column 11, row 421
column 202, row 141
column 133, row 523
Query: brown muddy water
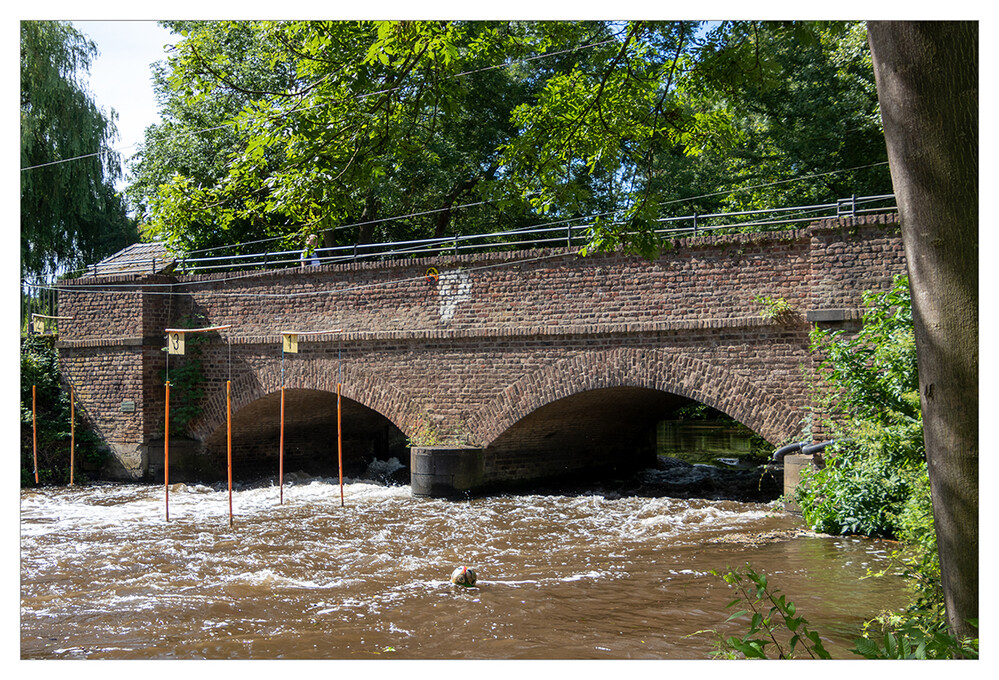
column 587, row 575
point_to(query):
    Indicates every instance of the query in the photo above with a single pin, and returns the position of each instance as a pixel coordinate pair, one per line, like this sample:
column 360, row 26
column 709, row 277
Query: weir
column 500, row 370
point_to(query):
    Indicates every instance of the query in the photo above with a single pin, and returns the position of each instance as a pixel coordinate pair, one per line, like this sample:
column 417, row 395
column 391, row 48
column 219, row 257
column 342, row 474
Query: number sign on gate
column 175, row 342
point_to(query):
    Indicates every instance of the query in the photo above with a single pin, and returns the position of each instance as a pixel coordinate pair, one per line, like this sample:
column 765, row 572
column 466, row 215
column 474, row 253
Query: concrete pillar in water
column 793, row 465
column 445, row 471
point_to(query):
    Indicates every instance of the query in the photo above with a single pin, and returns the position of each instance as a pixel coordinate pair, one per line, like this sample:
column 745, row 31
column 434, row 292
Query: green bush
column 40, row 368
column 875, row 479
column 871, row 482
column 920, row 632
column 856, row 494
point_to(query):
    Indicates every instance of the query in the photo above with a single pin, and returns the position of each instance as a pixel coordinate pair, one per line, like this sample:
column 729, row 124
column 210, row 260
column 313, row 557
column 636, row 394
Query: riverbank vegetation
column 874, row 482
column 47, row 421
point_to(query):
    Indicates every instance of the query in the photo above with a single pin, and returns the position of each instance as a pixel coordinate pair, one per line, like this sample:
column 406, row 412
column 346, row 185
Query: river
column 597, row 574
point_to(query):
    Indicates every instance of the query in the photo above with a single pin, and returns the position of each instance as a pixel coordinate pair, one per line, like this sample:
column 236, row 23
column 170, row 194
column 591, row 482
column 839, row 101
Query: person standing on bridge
column 309, row 254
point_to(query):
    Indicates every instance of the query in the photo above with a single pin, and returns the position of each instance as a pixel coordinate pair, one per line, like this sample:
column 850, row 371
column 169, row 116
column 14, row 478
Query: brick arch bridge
column 510, row 368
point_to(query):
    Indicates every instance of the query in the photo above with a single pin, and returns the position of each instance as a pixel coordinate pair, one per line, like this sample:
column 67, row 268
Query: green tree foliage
column 804, row 101
column 279, row 129
column 872, row 480
column 40, row 368
column 362, row 120
column 70, row 211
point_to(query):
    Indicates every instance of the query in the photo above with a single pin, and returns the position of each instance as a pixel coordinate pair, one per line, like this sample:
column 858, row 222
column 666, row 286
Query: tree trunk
column 367, row 229
column 927, row 80
column 444, row 217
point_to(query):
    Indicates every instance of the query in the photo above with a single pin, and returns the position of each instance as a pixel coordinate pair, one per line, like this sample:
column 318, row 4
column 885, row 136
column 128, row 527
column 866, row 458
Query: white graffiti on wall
column 452, row 288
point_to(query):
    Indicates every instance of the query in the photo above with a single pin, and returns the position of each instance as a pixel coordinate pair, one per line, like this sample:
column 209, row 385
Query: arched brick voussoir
column 361, row 386
column 677, row 373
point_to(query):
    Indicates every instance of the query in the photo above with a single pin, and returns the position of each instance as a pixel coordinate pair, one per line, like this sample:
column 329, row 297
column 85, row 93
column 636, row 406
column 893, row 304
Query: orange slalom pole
column 228, row 423
column 339, row 442
column 281, row 449
column 34, row 433
column 166, row 453
column 72, row 433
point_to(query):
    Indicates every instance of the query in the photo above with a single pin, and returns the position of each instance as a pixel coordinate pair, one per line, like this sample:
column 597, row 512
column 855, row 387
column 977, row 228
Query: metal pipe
column 816, row 448
column 785, row 450
column 804, row 447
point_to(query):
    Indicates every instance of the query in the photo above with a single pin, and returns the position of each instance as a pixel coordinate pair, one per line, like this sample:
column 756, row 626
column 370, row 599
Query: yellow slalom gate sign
column 40, row 323
column 175, row 342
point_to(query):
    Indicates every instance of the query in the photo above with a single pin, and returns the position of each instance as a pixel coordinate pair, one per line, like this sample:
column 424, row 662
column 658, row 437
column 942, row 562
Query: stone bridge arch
column 674, row 372
column 320, row 374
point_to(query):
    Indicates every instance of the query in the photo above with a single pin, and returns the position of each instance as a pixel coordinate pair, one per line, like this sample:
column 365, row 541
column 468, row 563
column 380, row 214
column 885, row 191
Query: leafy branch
column 772, row 614
column 777, row 631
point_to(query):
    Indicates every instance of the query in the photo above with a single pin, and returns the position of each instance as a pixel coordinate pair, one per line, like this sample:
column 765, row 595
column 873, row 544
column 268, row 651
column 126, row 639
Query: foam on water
column 374, row 571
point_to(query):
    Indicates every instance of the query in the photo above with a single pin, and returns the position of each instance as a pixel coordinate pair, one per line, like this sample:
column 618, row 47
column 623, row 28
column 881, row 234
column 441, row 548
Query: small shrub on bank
column 40, row 368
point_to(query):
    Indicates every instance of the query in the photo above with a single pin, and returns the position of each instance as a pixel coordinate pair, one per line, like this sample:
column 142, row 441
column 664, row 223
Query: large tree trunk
column 927, row 79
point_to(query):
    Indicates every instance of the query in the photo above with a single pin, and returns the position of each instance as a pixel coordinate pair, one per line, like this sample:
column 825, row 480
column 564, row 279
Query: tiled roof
column 138, row 258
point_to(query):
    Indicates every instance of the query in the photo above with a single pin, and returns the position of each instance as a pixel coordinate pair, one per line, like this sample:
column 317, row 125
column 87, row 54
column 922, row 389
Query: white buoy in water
column 463, row 576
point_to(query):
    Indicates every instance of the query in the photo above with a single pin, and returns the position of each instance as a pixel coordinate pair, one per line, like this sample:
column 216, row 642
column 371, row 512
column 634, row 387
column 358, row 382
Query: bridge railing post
column 847, row 207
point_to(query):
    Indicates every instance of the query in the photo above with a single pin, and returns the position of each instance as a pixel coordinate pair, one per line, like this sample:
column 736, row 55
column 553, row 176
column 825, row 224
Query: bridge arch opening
column 613, row 433
column 310, row 438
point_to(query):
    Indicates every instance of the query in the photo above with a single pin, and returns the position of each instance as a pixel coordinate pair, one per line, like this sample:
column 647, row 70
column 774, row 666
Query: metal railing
column 569, row 233
column 38, row 298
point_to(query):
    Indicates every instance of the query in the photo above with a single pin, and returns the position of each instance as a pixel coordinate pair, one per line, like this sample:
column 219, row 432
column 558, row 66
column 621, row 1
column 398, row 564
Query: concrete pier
column 445, row 472
column 793, row 465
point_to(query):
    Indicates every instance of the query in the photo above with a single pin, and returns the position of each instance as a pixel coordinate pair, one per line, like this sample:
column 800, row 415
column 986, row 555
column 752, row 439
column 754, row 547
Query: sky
column 121, row 77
